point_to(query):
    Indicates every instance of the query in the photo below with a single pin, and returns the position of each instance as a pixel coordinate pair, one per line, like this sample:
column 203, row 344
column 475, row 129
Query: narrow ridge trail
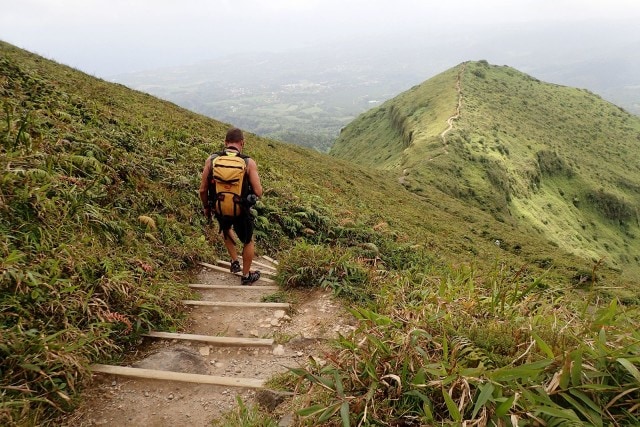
column 443, row 136
column 244, row 342
column 456, row 115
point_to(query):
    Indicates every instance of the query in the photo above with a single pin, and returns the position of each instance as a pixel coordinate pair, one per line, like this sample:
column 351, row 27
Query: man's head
column 234, row 135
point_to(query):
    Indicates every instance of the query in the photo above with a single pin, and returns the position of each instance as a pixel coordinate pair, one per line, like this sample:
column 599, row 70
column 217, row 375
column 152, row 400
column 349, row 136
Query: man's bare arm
column 254, row 178
column 204, row 184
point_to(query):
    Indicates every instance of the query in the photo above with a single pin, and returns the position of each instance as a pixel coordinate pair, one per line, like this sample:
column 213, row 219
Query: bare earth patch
column 299, row 333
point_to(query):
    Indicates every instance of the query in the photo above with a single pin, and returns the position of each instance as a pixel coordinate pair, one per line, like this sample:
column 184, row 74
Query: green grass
column 550, row 160
column 100, row 227
column 245, row 416
column 441, row 346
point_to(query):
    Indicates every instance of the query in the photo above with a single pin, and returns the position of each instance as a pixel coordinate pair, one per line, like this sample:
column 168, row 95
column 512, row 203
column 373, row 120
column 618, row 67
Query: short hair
column 234, row 135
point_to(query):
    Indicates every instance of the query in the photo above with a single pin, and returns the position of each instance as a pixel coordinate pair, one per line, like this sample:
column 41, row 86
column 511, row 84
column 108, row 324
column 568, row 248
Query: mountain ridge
column 515, row 141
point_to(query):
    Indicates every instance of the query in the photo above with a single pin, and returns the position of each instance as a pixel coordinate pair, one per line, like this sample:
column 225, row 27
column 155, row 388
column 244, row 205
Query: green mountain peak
column 553, row 160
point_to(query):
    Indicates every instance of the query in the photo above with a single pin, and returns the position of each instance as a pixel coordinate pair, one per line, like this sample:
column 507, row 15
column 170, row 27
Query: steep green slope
column 99, row 219
column 556, row 160
column 380, row 136
column 96, row 219
column 100, row 226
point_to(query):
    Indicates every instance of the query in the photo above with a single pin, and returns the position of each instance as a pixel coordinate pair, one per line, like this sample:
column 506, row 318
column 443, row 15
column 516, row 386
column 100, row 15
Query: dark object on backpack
column 251, row 200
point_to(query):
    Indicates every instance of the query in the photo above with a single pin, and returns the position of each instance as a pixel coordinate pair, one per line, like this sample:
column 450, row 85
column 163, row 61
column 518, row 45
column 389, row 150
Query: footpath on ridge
column 456, row 114
column 233, row 344
column 443, row 135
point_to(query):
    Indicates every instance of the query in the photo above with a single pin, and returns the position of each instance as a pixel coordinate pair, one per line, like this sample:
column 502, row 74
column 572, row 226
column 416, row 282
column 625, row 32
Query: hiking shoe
column 235, row 266
column 250, row 278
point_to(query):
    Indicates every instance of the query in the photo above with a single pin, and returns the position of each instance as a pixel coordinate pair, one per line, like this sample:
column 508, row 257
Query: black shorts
column 242, row 225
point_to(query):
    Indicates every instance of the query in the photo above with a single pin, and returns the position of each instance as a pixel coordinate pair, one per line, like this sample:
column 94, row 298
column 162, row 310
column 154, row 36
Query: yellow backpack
column 228, row 184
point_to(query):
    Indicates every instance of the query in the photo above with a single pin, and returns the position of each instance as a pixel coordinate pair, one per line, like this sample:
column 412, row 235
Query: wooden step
column 261, row 264
column 227, row 264
column 267, row 266
column 226, row 270
column 272, row 263
column 238, row 304
column 177, row 376
column 219, row 341
column 237, row 287
column 271, row 260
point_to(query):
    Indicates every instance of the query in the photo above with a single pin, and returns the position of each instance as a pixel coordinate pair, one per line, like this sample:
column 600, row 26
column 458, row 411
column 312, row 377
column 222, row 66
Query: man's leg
column 227, row 235
column 231, row 246
column 229, row 242
column 244, row 230
column 247, row 257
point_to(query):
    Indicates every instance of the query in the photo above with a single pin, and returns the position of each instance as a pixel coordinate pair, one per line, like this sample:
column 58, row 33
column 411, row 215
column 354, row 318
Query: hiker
column 230, row 201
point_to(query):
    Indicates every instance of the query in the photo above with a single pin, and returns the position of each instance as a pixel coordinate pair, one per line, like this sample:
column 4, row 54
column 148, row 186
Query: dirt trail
column 451, row 119
column 403, row 178
column 299, row 333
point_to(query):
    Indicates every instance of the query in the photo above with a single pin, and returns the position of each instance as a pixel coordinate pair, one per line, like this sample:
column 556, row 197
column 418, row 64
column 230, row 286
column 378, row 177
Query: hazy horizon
column 106, row 38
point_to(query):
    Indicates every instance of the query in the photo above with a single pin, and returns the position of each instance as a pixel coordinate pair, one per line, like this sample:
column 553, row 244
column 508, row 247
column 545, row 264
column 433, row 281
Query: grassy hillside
column 100, row 227
column 99, row 219
column 555, row 160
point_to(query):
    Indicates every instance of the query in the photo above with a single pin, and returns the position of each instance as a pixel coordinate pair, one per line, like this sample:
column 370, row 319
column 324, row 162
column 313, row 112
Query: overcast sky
column 107, row 37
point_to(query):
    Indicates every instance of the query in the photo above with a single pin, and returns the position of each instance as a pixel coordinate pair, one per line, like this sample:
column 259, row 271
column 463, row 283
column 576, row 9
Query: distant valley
column 307, row 96
column 303, row 99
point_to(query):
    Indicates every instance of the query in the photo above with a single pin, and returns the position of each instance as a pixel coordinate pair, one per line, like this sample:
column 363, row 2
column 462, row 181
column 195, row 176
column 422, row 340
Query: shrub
column 307, row 266
column 611, row 207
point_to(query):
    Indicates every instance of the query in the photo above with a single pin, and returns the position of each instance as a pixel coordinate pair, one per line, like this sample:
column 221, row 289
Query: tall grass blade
column 631, row 368
column 344, row 414
column 543, row 345
column 503, row 408
column 486, row 391
column 454, row 412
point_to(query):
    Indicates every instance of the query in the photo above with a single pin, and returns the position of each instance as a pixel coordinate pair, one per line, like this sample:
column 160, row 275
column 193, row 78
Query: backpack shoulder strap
column 210, row 160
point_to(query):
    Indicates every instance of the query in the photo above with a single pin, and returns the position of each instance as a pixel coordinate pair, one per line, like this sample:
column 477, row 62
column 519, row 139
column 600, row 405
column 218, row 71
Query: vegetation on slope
column 556, row 161
column 100, row 223
column 99, row 216
column 96, row 218
column 447, row 346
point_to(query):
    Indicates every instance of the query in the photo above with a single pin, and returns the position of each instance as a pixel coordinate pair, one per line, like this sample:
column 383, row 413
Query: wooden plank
column 226, row 270
column 261, row 264
column 238, row 304
column 219, row 341
column 268, row 267
column 154, row 374
column 270, row 271
column 237, row 287
column 254, row 262
column 271, row 260
column 227, row 264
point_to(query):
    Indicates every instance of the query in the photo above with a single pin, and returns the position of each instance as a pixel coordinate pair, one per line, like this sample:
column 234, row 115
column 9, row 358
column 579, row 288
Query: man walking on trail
column 237, row 215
